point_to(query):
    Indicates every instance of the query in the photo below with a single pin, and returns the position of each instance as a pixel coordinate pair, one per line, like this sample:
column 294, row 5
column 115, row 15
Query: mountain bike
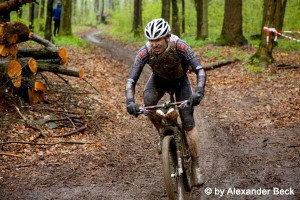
column 175, row 153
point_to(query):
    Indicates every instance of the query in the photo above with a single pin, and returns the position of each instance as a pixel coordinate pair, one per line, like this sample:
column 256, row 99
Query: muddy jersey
column 171, row 64
column 167, row 64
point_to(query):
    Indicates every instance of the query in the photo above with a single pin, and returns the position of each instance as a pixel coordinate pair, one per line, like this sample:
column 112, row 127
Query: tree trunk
column 175, row 19
column 31, row 17
column 41, row 15
column 232, row 30
column 272, row 18
column 165, row 13
column 183, row 16
column 281, row 14
column 199, row 17
column 66, row 18
column 204, row 27
column 137, row 18
column 102, row 16
column 48, row 23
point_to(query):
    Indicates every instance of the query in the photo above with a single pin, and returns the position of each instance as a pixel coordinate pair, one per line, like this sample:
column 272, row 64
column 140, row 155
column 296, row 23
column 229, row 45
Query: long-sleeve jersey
column 172, row 64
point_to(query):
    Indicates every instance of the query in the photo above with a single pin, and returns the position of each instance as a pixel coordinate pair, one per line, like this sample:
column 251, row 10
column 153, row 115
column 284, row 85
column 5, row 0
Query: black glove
column 132, row 108
column 197, row 96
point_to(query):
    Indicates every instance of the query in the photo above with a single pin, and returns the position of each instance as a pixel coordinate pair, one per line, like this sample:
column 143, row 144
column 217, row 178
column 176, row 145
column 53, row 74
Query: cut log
column 28, row 65
column 218, row 64
column 60, row 69
column 13, row 33
column 8, row 51
column 39, row 86
column 50, row 61
column 45, row 53
column 41, row 40
column 14, row 71
column 36, row 93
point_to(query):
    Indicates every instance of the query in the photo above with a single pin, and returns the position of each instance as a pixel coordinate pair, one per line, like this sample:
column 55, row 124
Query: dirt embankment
column 249, row 126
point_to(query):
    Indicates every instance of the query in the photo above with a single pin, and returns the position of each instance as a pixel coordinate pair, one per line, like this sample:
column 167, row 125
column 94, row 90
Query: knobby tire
column 173, row 185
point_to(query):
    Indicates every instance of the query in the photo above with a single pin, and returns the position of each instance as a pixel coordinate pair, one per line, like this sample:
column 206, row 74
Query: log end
column 35, row 97
column 62, row 53
column 36, row 93
column 39, row 86
column 81, row 73
column 14, row 71
column 32, row 65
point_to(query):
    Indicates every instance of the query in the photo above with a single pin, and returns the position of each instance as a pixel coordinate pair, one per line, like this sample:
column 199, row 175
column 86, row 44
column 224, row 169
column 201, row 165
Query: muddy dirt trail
column 240, row 162
column 244, row 164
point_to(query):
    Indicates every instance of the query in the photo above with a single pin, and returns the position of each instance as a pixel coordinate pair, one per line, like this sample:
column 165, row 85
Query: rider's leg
column 192, row 135
column 152, row 94
column 193, row 140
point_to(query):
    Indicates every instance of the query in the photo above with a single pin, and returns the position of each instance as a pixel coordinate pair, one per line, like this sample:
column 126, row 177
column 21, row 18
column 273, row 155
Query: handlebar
column 165, row 105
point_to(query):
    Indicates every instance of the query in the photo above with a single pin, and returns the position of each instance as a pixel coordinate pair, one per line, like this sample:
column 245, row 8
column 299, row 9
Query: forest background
column 251, row 112
column 118, row 18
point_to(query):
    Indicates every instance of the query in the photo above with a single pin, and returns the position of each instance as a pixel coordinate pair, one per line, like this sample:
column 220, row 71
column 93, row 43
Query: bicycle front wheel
column 173, row 182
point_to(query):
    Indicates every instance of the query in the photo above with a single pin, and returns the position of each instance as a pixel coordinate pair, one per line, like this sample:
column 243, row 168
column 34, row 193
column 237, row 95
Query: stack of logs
column 18, row 67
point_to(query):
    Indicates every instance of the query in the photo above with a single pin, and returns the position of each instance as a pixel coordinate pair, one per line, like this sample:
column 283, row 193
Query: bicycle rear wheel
column 173, row 182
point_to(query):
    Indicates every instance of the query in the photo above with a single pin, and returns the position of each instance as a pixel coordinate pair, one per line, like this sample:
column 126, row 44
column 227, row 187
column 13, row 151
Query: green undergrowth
column 68, row 41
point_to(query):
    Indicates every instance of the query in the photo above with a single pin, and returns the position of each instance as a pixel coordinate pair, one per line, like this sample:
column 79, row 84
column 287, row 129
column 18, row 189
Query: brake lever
column 185, row 104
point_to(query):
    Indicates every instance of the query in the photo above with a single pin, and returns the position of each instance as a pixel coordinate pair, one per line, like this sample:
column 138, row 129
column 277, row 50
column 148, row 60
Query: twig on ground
column 91, row 85
column 287, row 66
column 27, row 122
column 219, row 64
column 62, row 78
column 10, row 154
column 72, row 132
column 50, row 144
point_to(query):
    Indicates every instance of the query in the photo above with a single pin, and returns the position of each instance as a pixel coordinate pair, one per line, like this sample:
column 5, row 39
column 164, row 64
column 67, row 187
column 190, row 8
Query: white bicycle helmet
column 157, row 28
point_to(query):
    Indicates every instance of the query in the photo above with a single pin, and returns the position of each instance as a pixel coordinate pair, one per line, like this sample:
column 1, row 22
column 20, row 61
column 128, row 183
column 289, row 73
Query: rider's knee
column 187, row 126
column 150, row 98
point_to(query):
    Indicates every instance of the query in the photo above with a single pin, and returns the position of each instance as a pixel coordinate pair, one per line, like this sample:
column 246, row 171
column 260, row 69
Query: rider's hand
column 132, row 108
column 197, row 96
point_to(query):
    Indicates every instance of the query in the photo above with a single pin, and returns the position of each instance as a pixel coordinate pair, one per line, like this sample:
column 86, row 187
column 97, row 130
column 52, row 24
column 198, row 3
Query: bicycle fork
column 179, row 170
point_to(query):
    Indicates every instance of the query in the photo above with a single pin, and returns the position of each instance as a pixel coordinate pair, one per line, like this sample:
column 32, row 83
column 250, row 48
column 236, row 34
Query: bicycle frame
column 171, row 132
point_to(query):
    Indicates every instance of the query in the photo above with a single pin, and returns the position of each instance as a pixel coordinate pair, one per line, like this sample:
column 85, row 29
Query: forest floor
column 249, row 123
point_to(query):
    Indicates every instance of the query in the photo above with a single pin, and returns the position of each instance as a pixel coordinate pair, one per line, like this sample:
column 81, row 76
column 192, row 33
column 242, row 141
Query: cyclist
column 169, row 58
column 56, row 17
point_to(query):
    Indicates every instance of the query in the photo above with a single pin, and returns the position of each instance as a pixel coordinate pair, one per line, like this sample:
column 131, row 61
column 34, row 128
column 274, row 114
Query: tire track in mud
column 227, row 162
column 216, row 154
column 217, row 147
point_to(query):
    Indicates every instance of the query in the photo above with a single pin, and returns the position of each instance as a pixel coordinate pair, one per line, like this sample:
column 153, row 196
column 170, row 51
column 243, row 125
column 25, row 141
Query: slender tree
column 232, row 30
column 204, row 27
column 31, row 16
column 41, row 15
column 202, row 19
column 199, row 17
column 183, row 16
column 66, row 18
column 273, row 18
column 165, row 13
column 137, row 18
column 103, row 17
column 48, row 23
column 175, row 18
